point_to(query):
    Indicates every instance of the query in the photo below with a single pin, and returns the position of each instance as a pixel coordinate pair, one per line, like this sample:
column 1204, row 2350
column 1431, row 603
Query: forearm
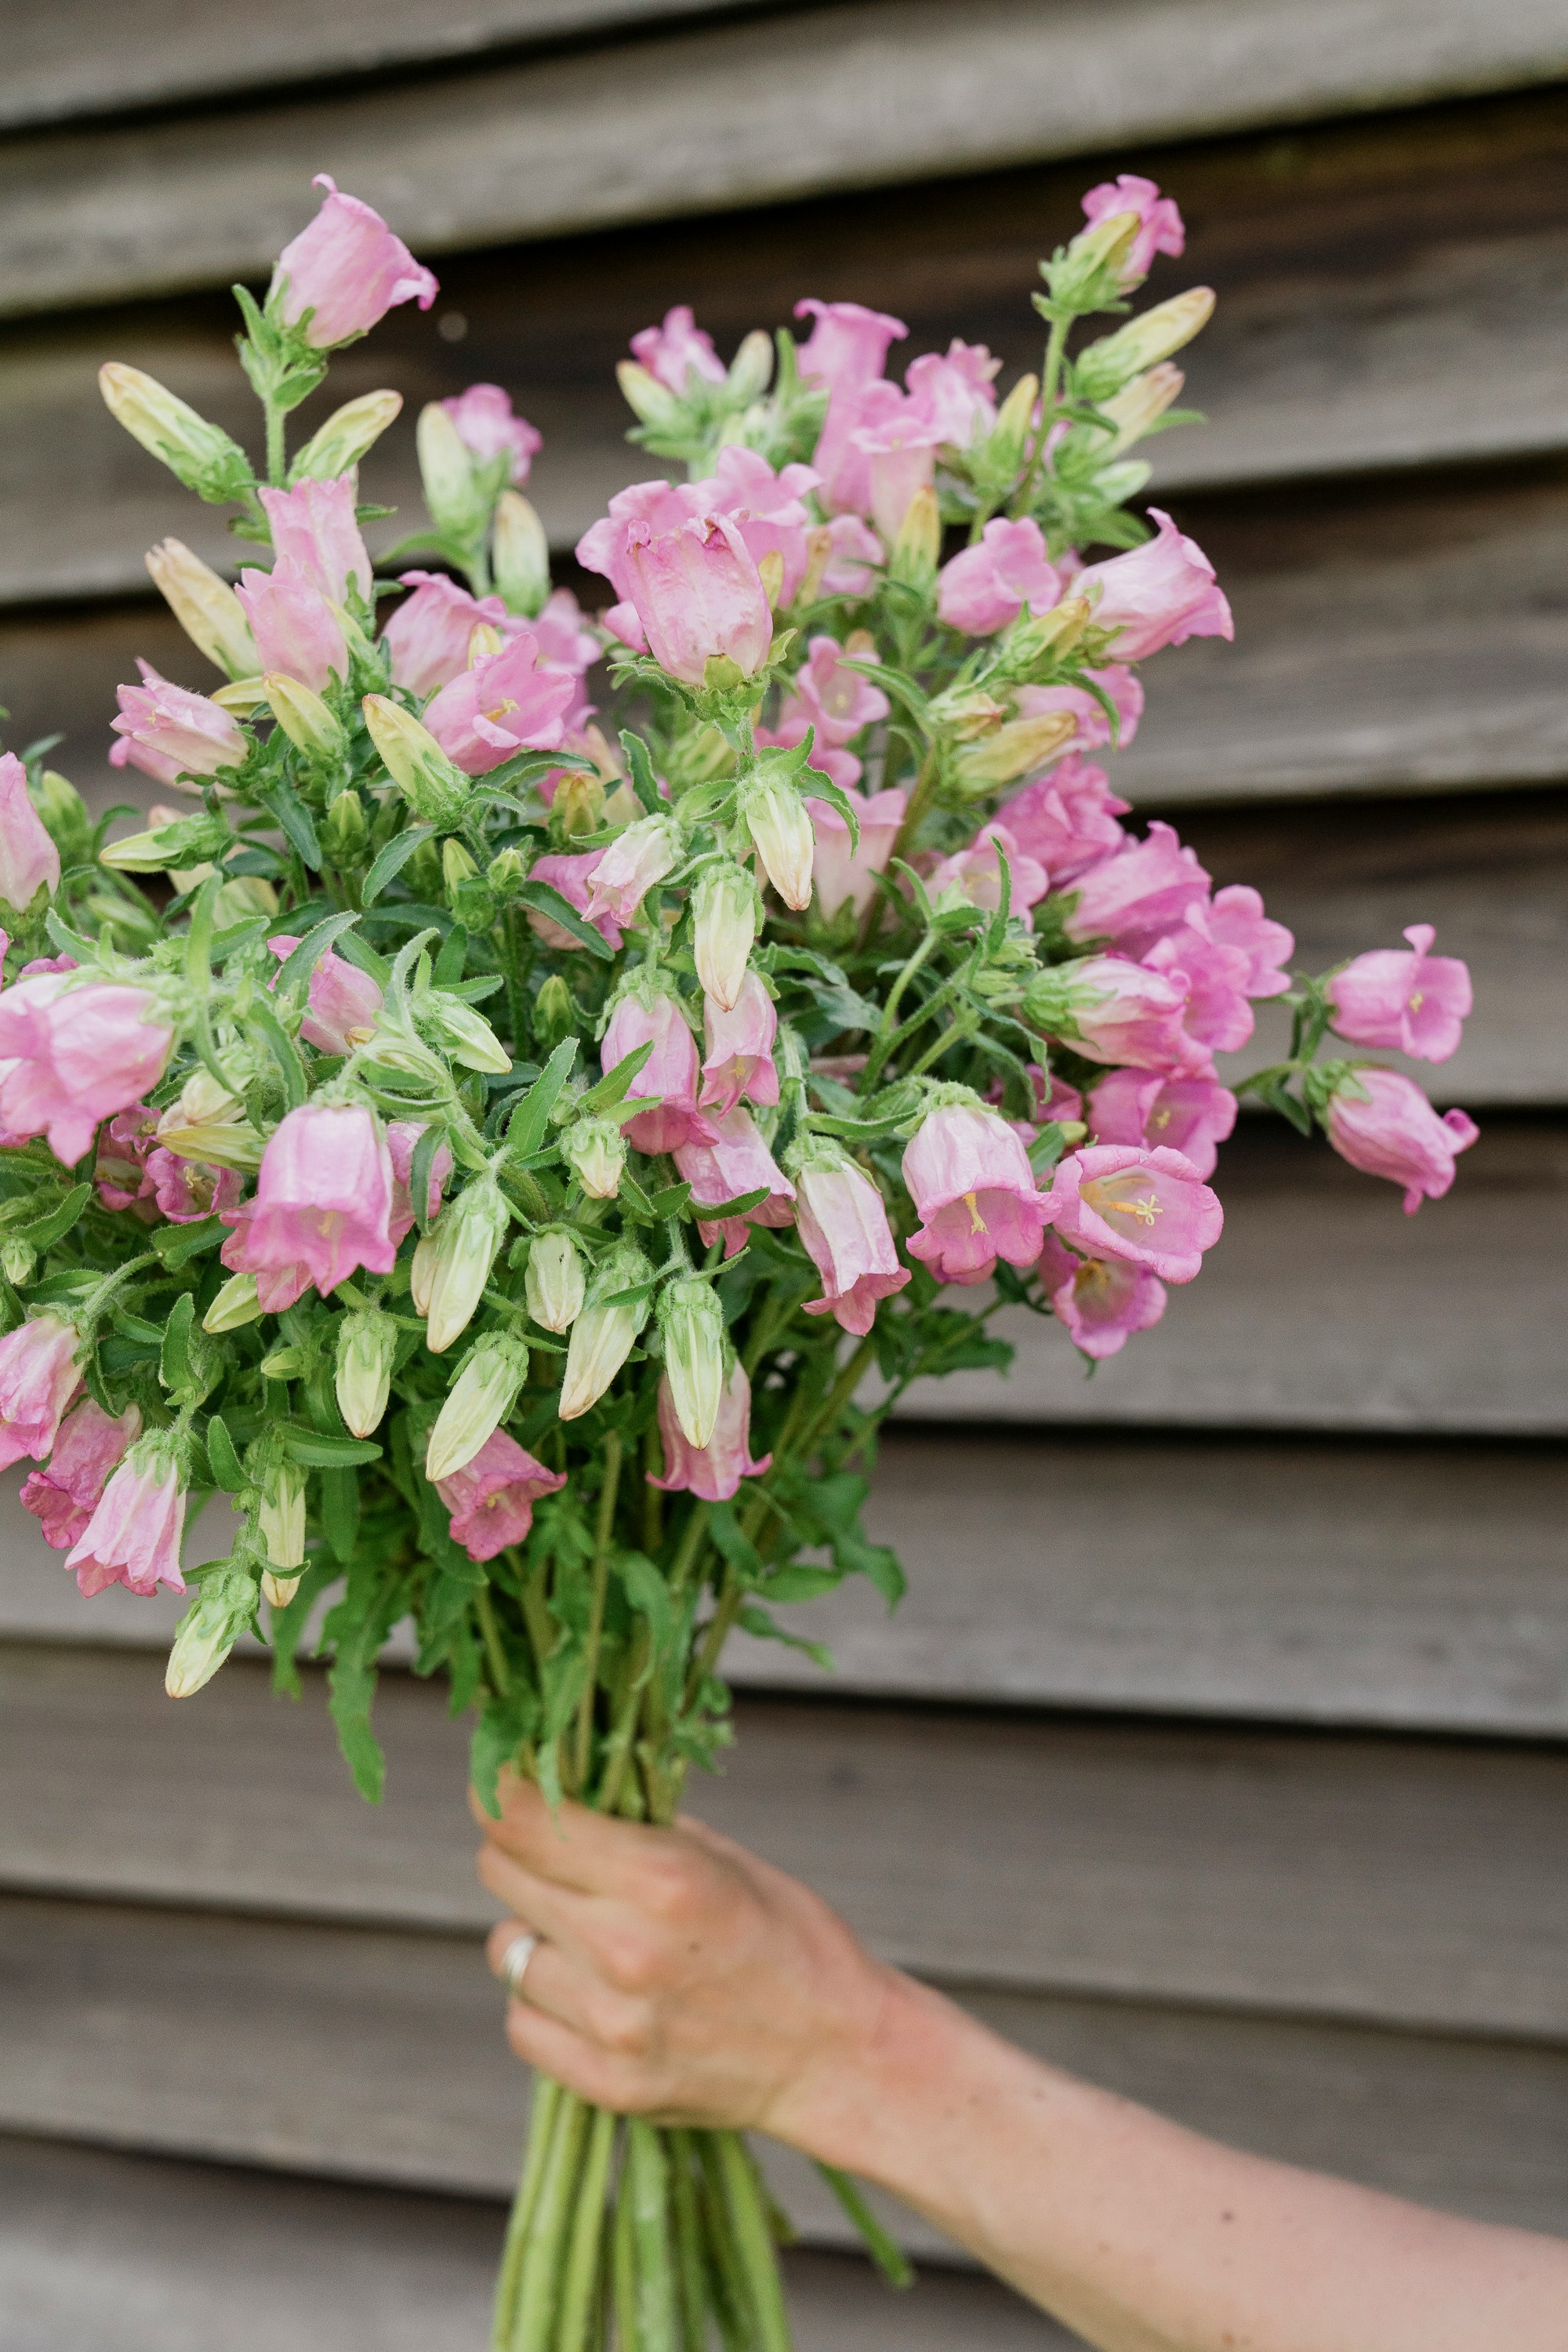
column 1145, row 2237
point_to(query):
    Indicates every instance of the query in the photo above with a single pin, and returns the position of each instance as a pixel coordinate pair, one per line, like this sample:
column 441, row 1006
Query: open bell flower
column 428, row 635
column 344, row 1000
column 488, row 428
column 505, row 704
column 842, row 874
column 1142, row 890
column 1193, row 1115
column 1158, row 594
column 739, row 1061
column 837, row 702
column 1149, row 1208
column 322, row 1204
column 295, row 627
column 1382, row 1124
column 699, row 596
column 668, row 1080
column 38, row 1379
column 604, row 1333
column 490, row 1500
column 677, row 351
column 712, row 1472
column 63, row 1495
column 74, row 1055
column 1099, row 1301
column 29, row 861
column 971, row 1181
column 1066, row 820
column 1412, row 1000
column 1112, row 1010
column 1237, row 919
column 344, row 271
column 137, row 1527
column 173, row 736
column 734, row 1161
column 841, row 1220
column 975, row 871
column 315, row 528
column 1160, row 228
column 986, row 586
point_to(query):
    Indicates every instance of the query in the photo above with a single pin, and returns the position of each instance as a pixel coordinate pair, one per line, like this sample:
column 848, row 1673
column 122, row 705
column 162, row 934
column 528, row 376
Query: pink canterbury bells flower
column 491, row 1498
column 734, row 1161
column 63, row 1497
column 1136, row 895
column 402, row 1135
column 1158, row 594
column 1192, row 1116
column 314, row 528
column 138, row 1524
column 976, row 871
column 427, row 637
column 29, row 862
column 898, row 447
column 1219, row 1014
column 1237, row 919
column 841, row 1218
column 970, row 1178
column 323, row 1201
column 76, row 1055
column 1110, row 1010
column 186, row 1190
column 622, row 874
column 855, row 557
column 505, row 704
column 768, row 510
column 38, row 1377
column 698, row 598
column 841, row 873
column 954, row 390
column 670, row 1076
column 171, row 735
column 603, row 547
column 344, row 1000
column 1122, row 683
column 124, row 1148
column 1160, row 227
column 1416, row 1001
column 1390, row 1129
column 487, row 427
column 570, row 874
column 1100, row 1301
column 739, row 1060
column 348, row 270
column 836, row 702
column 988, row 585
column 296, row 631
column 678, row 349
column 1151, row 1208
column 848, row 344
column 712, row 1472
column 1066, row 820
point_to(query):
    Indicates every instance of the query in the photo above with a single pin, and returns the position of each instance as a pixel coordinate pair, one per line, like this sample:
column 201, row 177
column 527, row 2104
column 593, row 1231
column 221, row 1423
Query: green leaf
column 762, row 1628
column 390, row 862
column 174, row 1361
column 222, row 1457
column 545, row 899
column 801, row 1582
column 240, row 936
column 286, row 1626
column 890, row 2258
column 823, row 788
column 500, row 1731
column 717, row 1213
column 301, row 961
column 647, row 1593
column 340, row 1512
column 529, row 1121
column 177, row 1244
column 737, row 1549
column 296, row 821
column 363, row 957
column 613, row 1088
column 318, row 1449
column 351, row 1687
column 284, row 1052
column 53, row 1228
column 644, row 784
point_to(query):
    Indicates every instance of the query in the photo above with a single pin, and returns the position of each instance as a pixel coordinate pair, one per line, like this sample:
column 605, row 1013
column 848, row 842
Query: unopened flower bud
column 422, row 1273
column 346, row 436
column 200, row 455
column 465, row 1034
column 555, row 1014
column 1105, row 243
column 479, row 1400
column 236, row 1305
column 692, row 1323
column 185, row 841
column 17, row 1263
column 604, row 1332
column 1107, row 365
column 367, row 1343
column 206, row 607
column 770, row 572
column 435, row 788
column 485, row 641
column 506, row 872
column 1036, row 634
column 724, row 918
column 595, row 1152
column 553, row 1285
column 1013, row 751
column 919, row 542
column 1001, row 454
column 519, row 555
column 466, row 1235
column 967, row 715
column 280, row 1523
column 304, row 717
column 644, row 395
column 344, row 833
column 457, row 866
column 63, row 813
column 454, row 491
column 751, row 369
column 209, row 1123
column 1139, row 404
column 224, row 1606
column 579, row 803
column 775, row 816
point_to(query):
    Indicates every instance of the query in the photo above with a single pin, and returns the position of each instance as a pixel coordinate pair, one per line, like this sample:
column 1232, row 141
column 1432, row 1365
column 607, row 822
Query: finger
column 578, row 2064
column 564, row 1917
column 615, row 2022
column 570, row 1845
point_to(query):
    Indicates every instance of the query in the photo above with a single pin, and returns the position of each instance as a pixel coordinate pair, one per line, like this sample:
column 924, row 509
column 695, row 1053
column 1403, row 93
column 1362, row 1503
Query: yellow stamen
column 1145, row 1210
column 1418, row 999
column 976, row 1222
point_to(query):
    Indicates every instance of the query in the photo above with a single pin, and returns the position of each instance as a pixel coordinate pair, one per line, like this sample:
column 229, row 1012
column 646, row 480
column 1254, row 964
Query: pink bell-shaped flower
column 38, row 1377
column 698, row 598
column 1102, row 1301
column 622, row 874
column 677, row 350
column 1384, row 1124
column 1414, row 1001
column 323, row 1200
column 842, row 874
column 1066, row 820
column 1192, row 1116
column 504, row 705
column 29, row 859
column 296, row 630
column 344, row 1000
column 1160, row 227
column 712, row 1472
column 1158, row 594
column 1133, row 897
column 171, row 735
column 668, row 1080
column 347, row 270
column 734, row 1161
column 491, row 1498
column 841, row 1220
column 739, row 1062
column 971, row 1181
column 315, row 528
column 1149, row 1208
column 138, row 1524
column 988, row 585
column 76, row 1055
column 63, row 1495
column 486, row 426
column 427, row 635
column 838, row 702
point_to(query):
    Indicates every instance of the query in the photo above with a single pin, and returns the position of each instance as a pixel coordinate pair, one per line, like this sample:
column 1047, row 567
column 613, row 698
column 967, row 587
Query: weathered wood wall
column 1220, row 1748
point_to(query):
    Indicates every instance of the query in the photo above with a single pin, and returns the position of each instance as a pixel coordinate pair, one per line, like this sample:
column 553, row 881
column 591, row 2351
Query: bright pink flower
column 76, row 1055
column 970, row 1178
column 989, row 585
column 1160, row 223
column 1053, row 1100
column 899, row 445
column 348, row 270
column 125, row 1147
column 679, row 348
column 856, row 556
column 138, row 1524
column 295, row 628
column 1122, row 683
column 569, row 874
column 1219, row 1014
column 1117, row 1010
column 841, row 873
column 768, row 510
column 63, row 1497
column 504, row 705
column 172, row 735
column 344, row 1000
column 402, row 1135
column 1237, row 919
column 1066, row 820
column 1390, row 1129
column 1158, row 594
column 314, row 528
column 953, row 390
column 603, row 547
column 1141, row 891
column 491, row 1498
column 668, row 1080
column 38, row 1377
column 565, row 643
column 622, row 874
column 714, row 1471
column 976, row 870
column 734, row 1161
column 29, row 859
column 841, row 1218
column 1149, row 1207
column 1102, row 1301
column 323, row 1200
column 698, row 596
column 1416, row 1001
column 834, row 699
column 487, row 427
column 848, row 344
column 739, row 1062
column 1192, row 1116
column 840, row 457
column 428, row 635
column 186, row 1190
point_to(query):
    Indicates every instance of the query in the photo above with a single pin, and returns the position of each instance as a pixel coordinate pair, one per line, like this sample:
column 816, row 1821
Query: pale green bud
column 454, row 490
column 1014, row 750
column 17, row 1263
column 345, row 437
column 1001, row 454
column 367, row 1344
column 466, row 1235
column 64, row 815
column 648, row 400
column 553, row 1285
column 1112, row 362
column 280, row 1523
column 457, row 866
column 200, row 455
column 344, row 833
column 775, row 816
column 224, row 1606
column 725, row 911
column 236, row 1305
column 692, row 1323
column 422, row 1273
column 579, row 803
column 435, row 788
column 1139, row 404
column 1036, row 635
column 595, row 1152
column 304, row 717
column 209, row 1123
column 519, row 555
column 604, row 1332
column 555, row 1014
column 189, row 841
column 751, row 369
column 917, row 545
column 465, row 1034
column 479, row 1400
column 206, row 607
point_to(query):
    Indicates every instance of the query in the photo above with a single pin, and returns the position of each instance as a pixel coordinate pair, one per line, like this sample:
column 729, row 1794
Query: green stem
column 93, row 1305
column 691, row 1549
column 882, row 1044
column 625, row 2271
column 753, row 2243
column 535, row 1615
column 277, row 454
column 1050, row 382
column 646, row 2182
column 687, row 2224
column 500, row 1673
column 603, row 1531
column 541, row 2131
column 577, row 2293
column 540, row 2279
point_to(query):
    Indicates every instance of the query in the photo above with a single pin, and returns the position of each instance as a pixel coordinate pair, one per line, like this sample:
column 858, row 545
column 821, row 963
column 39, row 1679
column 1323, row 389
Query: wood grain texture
column 1410, row 1882
column 703, row 121
column 376, row 2056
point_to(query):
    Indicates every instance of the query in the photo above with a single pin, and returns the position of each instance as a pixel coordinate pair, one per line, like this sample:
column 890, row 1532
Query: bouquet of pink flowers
column 522, row 1163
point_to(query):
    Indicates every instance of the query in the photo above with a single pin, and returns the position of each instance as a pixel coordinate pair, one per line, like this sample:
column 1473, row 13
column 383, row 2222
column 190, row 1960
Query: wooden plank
column 107, row 2252
column 372, row 2055
column 703, row 121
column 1411, row 1882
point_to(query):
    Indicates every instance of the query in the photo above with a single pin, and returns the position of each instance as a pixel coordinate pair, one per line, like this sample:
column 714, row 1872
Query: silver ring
column 515, row 1961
